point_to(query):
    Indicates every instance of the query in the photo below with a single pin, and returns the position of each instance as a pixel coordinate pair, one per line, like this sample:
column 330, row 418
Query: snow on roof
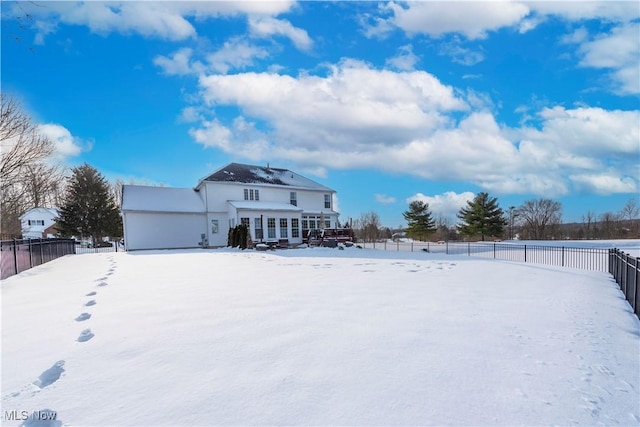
column 40, row 211
column 236, row 172
column 264, row 206
column 161, row 199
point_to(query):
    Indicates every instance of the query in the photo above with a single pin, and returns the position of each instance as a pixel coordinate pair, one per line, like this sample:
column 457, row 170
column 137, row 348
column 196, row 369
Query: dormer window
column 293, row 198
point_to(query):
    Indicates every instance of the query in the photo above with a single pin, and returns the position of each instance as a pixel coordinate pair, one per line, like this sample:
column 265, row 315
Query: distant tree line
column 483, row 219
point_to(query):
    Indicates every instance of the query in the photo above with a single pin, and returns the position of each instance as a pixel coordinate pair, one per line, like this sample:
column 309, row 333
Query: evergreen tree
column 420, row 224
column 89, row 208
column 482, row 216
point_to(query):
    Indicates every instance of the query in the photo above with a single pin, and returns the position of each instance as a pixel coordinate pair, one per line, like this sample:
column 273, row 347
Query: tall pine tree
column 420, row 225
column 482, row 217
column 89, row 209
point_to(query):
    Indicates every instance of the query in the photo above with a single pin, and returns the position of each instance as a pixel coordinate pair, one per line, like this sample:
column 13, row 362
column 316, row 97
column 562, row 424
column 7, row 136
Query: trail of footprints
column 86, row 334
column 53, row 374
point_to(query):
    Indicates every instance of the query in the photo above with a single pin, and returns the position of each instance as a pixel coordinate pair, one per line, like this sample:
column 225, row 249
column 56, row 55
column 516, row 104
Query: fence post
column 468, row 248
column 563, row 256
column 637, row 308
column 446, row 249
column 525, row 253
column 412, row 246
column 30, row 257
column 15, row 256
column 494, row 251
column 385, row 245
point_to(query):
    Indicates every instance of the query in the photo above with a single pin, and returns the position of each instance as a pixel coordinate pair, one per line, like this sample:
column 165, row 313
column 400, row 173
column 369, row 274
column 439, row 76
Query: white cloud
column 164, row 20
column 605, row 183
column 241, row 138
column 461, row 55
column 66, row 145
column 616, row 11
column 409, row 122
column 384, row 199
column 264, row 26
column 472, row 19
column 405, row 60
column 213, row 134
column 475, row 19
column 619, row 51
column 179, row 63
column 446, row 205
column 235, row 54
column 590, row 131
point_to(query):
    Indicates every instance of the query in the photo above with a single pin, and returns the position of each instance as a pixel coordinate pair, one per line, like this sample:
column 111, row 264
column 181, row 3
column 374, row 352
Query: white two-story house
column 276, row 204
column 38, row 223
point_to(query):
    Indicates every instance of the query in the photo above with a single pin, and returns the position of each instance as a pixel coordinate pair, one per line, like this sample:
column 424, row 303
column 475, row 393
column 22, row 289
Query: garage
column 162, row 218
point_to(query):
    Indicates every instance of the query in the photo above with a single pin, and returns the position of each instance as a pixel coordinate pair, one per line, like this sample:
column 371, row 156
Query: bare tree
column 588, row 220
column 610, row 225
column 22, row 144
column 44, row 184
column 26, row 180
column 539, row 217
column 116, row 189
column 368, row 226
column 629, row 213
column 443, row 228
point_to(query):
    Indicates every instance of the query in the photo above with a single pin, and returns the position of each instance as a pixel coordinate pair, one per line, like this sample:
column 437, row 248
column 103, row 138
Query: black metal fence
column 564, row 256
column 20, row 255
column 625, row 270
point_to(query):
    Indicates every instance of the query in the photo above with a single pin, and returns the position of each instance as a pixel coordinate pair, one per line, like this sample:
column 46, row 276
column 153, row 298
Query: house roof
column 264, row 206
column 39, row 211
column 250, row 174
column 161, row 199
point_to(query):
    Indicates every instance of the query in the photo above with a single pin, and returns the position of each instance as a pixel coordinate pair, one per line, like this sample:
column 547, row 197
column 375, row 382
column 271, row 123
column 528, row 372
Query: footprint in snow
column 101, row 279
column 51, row 375
column 90, row 303
column 85, row 335
column 83, row 317
column 102, row 284
column 90, row 294
column 42, row 418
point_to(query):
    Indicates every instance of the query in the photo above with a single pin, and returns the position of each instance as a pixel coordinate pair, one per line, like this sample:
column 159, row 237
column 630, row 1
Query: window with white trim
column 271, row 228
column 284, row 228
column 293, row 198
column 327, row 201
column 295, row 227
column 258, row 225
column 251, row 194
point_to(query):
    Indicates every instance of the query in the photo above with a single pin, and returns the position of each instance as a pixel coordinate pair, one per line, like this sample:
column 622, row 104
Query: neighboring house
column 38, row 223
column 276, row 204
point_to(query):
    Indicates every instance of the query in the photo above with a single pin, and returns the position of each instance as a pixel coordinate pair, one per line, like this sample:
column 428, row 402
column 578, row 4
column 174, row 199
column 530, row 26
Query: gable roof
column 40, row 211
column 250, row 174
column 161, row 199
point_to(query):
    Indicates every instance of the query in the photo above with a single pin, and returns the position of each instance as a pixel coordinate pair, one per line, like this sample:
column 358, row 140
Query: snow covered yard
column 316, row 337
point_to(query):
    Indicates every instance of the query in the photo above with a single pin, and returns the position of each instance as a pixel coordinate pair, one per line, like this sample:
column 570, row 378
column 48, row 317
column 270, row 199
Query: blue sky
column 383, row 102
